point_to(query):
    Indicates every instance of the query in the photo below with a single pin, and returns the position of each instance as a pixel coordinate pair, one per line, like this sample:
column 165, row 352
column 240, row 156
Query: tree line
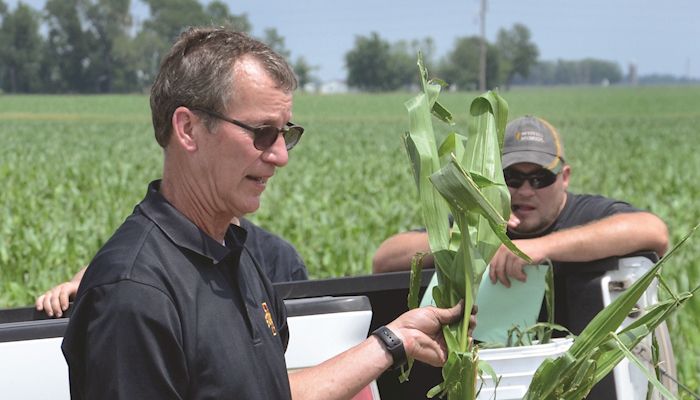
column 374, row 64
column 94, row 46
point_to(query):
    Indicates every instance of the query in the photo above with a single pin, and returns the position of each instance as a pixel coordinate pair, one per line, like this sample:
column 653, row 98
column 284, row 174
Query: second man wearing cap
column 547, row 221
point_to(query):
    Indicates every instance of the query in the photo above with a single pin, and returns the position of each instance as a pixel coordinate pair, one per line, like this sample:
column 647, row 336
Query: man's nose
column 277, row 154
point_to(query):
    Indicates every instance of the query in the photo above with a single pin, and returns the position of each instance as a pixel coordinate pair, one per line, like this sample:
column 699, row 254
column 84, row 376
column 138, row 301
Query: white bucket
column 516, row 366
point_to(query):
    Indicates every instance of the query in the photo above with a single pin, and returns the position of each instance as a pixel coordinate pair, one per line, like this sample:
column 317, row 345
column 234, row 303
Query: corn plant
column 600, row 347
column 462, row 177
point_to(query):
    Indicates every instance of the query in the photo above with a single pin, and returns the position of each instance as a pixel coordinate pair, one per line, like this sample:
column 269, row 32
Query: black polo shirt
column 166, row 312
column 279, row 259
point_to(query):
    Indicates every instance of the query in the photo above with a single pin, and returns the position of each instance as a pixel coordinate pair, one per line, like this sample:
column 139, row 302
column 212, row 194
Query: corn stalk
column 462, row 177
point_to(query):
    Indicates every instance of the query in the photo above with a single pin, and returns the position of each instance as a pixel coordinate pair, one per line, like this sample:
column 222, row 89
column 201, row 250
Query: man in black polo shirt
column 172, row 307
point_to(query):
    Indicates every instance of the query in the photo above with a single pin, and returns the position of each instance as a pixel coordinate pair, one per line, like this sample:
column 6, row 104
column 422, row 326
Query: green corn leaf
column 610, row 318
column 464, row 195
column 414, row 286
column 420, row 145
column 463, row 177
column 650, row 377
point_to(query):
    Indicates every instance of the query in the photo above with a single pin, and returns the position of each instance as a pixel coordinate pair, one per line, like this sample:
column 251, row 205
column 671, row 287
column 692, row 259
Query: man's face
column 537, row 209
column 236, row 173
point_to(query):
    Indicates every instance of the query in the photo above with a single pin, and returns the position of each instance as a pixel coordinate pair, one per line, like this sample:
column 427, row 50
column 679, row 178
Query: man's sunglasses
column 537, row 180
column 264, row 136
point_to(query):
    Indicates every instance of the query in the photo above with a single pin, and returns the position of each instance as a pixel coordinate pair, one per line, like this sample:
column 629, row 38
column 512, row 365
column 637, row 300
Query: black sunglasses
column 264, row 136
column 537, row 180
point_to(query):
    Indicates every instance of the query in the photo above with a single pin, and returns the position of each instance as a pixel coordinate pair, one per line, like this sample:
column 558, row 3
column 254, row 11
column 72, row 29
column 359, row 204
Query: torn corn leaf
column 465, row 195
column 467, row 177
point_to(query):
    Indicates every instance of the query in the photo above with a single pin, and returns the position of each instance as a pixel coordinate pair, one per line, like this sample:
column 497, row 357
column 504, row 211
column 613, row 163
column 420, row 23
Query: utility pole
column 482, row 48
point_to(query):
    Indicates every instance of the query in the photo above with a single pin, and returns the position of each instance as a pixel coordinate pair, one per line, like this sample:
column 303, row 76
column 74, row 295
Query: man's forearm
column 343, row 376
column 396, row 253
column 616, row 235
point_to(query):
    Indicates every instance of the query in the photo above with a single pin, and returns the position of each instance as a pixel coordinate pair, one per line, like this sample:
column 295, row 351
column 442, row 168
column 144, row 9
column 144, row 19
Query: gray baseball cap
column 533, row 140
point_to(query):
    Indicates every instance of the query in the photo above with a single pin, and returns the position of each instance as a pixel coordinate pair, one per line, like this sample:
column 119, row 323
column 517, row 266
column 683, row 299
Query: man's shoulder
column 131, row 254
column 595, row 201
column 581, row 209
column 258, row 236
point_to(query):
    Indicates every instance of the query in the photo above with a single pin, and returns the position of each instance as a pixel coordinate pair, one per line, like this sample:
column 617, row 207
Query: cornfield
column 73, row 167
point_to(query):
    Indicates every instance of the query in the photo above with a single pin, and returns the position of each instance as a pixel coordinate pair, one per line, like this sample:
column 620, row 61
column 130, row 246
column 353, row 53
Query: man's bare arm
column 617, row 235
column 345, row 375
column 396, row 252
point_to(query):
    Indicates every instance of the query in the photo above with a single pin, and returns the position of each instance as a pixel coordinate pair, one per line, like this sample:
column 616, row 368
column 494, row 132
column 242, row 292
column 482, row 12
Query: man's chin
column 529, row 229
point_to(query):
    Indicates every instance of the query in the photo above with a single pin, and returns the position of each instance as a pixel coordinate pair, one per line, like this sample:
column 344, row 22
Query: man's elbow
column 659, row 238
column 379, row 264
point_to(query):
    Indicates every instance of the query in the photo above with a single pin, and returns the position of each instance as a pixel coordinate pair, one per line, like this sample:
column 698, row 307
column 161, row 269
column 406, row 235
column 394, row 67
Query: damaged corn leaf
column 463, row 178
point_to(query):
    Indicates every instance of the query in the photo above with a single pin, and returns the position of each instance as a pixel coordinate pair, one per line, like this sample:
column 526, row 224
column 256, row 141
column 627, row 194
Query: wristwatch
column 393, row 344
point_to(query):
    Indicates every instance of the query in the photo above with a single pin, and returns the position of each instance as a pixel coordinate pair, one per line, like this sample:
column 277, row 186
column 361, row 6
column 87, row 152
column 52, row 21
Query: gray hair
column 197, row 72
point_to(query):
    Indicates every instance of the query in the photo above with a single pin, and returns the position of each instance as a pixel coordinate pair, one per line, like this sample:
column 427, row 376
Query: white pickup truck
column 347, row 309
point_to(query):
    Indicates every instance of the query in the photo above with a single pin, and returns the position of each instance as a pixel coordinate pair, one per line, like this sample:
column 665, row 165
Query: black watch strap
column 393, row 344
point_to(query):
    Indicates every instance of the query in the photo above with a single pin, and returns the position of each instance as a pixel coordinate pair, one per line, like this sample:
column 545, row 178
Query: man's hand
column 55, row 301
column 505, row 264
column 421, row 332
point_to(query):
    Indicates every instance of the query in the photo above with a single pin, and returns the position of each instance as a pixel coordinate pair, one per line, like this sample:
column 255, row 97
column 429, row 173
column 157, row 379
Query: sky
column 660, row 37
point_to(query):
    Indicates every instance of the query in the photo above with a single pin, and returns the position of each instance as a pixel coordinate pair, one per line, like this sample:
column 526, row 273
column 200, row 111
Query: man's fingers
column 503, row 277
column 518, row 273
column 56, row 304
column 39, row 303
column 448, row 315
column 64, row 300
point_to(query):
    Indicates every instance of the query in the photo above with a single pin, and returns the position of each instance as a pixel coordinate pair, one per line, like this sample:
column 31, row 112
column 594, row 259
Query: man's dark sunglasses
column 264, row 136
column 537, row 180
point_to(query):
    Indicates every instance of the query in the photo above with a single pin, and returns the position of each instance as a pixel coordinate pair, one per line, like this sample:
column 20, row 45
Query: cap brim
column 548, row 161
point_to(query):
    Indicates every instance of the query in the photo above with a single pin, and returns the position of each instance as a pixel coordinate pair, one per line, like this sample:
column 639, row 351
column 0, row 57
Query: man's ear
column 565, row 173
column 183, row 124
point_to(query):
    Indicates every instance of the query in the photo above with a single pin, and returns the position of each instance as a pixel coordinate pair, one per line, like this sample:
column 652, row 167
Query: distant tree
column 304, row 71
column 426, row 46
column 403, row 63
column 541, row 73
column 168, row 18
column 68, row 47
column 107, row 21
column 21, row 49
column 573, row 72
column 600, row 71
column 375, row 65
column 517, row 54
column 220, row 15
column 461, row 65
column 143, row 53
column 276, row 42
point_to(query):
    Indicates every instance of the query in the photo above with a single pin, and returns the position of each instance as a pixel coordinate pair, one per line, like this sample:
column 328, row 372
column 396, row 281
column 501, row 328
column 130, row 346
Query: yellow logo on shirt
column 268, row 319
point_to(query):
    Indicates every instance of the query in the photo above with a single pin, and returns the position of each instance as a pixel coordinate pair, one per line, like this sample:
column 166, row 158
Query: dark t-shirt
column 166, row 312
column 575, row 303
column 581, row 209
